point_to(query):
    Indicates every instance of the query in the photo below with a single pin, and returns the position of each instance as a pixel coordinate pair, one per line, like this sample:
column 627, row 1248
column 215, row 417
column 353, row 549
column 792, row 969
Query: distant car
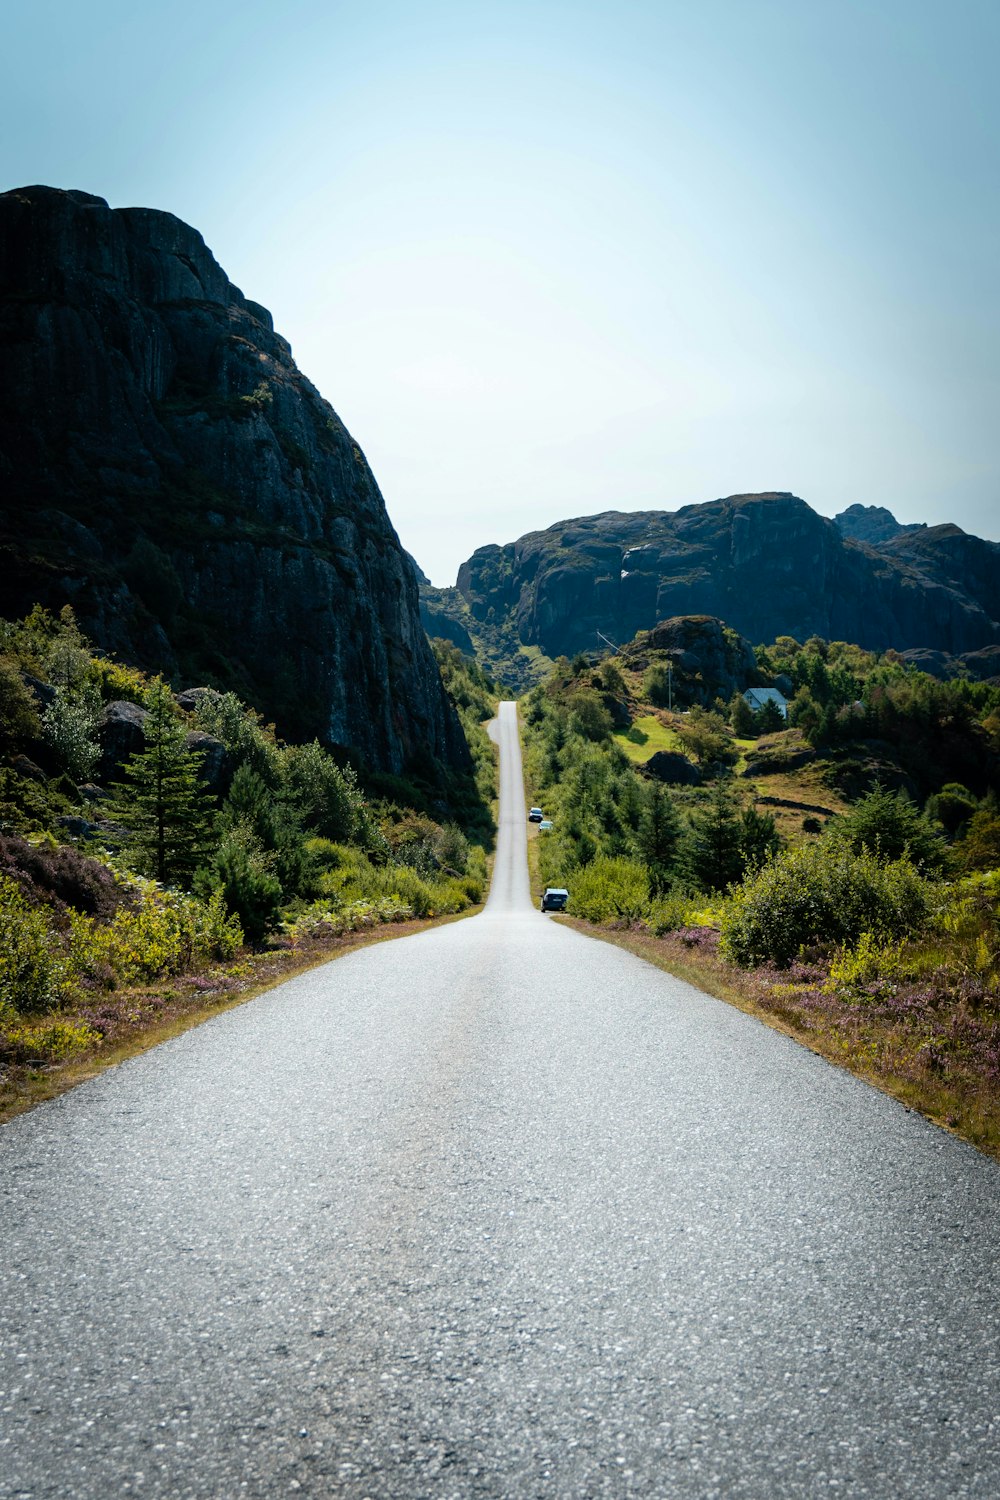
column 554, row 898
column 545, row 825
column 535, row 815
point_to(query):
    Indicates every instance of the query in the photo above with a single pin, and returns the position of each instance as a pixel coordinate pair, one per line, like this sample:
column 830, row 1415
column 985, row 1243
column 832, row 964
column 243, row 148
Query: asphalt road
column 497, row 1210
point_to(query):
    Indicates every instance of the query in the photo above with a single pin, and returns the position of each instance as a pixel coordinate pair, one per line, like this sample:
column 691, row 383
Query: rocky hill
column 167, row 470
column 766, row 564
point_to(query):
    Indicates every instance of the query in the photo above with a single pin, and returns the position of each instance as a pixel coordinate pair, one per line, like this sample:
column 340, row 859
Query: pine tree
column 759, row 838
column 159, row 800
column 715, row 858
column 658, row 837
column 742, row 716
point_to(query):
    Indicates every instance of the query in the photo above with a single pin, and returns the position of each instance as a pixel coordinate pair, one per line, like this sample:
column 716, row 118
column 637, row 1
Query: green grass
column 646, row 736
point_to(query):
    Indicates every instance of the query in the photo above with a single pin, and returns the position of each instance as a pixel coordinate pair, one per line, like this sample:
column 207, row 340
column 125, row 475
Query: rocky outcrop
column 767, row 564
column 708, row 659
column 120, row 734
column 672, row 768
column 167, row 470
column 869, row 523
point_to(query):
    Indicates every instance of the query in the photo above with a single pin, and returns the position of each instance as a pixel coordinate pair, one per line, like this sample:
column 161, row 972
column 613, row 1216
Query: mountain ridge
column 765, row 563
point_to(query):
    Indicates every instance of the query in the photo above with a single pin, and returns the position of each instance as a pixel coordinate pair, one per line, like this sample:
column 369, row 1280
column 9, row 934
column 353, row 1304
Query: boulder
column 216, row 768
column 191, row 698
column 672, row 768
column 120, row 735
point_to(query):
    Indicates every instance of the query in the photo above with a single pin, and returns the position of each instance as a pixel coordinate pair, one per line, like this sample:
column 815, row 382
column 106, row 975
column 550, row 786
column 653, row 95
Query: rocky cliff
column 766, row 564
column 167, row 470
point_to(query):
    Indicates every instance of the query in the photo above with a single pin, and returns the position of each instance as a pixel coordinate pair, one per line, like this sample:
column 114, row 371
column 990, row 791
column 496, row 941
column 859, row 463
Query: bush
column 610, row 888
column 165, row 932
column 47, row 1041
column 248, row 884
column 821, row 893
column 327, row 798
column 69, row 725
column 32, row 967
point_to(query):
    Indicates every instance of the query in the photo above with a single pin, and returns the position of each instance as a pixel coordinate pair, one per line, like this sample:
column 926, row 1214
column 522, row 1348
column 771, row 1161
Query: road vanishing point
column 494, row 1210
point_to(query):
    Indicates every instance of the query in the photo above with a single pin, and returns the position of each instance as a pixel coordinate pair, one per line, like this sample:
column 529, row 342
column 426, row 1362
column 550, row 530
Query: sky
column 550, row 259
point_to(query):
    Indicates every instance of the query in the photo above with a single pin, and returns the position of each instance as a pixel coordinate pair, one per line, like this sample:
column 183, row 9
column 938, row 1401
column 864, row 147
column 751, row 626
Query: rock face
column 167, row 470
column 766, row 564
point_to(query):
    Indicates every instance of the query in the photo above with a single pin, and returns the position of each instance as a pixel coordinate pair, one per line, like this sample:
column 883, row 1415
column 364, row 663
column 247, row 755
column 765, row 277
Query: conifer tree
column 714, row 854
column 759, row 838
column 159, row 800
column 658, row 837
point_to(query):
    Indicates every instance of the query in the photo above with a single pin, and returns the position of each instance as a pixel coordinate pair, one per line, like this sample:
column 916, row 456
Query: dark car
column 535, row 815
column 554, row 898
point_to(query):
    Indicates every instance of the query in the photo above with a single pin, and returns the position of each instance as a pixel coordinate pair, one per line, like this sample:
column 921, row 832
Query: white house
column 757, row 697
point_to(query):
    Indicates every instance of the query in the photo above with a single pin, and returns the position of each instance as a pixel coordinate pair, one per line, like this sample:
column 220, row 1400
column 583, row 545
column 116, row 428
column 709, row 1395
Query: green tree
column 891, row 827
column 657, row 686
column 612, row 679
column 770, row 719
column 703, row 736
column 952, row 806
column 658, row 837
column 979, row 847
column 244, row 873
column 272, row 821
column 159, row 800
column 18, row 717
column 327, row 798
column 742, row 717
column 589, row 716
column 806, row 714
column 759, row 838
column 715, row 856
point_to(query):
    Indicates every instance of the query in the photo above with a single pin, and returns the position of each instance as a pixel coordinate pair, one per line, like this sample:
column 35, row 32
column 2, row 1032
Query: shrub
column 671, row 912
column 18, row 716
column 47, row 1041
column 821, row 893
column 248, row 883
column 451, row 848
column 870, row 960
column 116, row 682
column 327, row 797
column 165, row 932
column 323, row 918
column 69, row 725
column 610, row 888
column 32, row 968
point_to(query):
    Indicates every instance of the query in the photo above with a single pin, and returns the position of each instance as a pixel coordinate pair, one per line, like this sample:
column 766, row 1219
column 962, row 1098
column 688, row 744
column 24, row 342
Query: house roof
column 765, row 695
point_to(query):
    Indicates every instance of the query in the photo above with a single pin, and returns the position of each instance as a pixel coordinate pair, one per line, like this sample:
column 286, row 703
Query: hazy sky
column 548, row 259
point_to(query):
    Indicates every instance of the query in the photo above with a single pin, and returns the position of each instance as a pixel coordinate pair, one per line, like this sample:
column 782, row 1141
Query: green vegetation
column 869, row 927
column 211, row 836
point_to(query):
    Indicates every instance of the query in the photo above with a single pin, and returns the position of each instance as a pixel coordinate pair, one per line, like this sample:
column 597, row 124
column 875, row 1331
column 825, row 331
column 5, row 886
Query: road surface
column 496, row 1210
